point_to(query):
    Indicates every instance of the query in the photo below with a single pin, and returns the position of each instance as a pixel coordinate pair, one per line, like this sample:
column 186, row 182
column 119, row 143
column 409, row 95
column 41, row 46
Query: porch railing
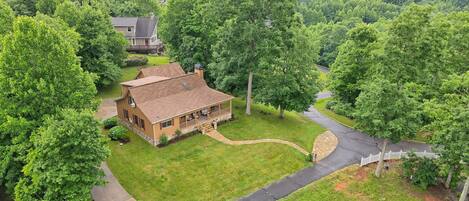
column 210, row 117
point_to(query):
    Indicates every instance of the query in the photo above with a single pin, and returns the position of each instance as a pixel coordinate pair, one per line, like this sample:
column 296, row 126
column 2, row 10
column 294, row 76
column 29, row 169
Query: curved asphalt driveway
column 352, row 146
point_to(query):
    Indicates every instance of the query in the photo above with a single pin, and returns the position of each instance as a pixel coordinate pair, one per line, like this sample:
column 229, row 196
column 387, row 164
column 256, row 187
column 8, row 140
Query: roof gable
column 167, row 70
column 147, row 92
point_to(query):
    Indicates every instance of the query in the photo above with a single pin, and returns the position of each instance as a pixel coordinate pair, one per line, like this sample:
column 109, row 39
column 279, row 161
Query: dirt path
column 219, row 137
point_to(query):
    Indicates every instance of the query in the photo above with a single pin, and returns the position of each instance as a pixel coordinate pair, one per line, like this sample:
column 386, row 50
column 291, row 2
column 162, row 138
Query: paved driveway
column 352, row 146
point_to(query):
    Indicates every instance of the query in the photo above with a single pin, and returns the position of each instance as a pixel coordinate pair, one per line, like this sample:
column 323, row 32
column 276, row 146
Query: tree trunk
column 448, row 179
column 379, row 168
column 282, row 112
column 248, row 98
column 464, row 191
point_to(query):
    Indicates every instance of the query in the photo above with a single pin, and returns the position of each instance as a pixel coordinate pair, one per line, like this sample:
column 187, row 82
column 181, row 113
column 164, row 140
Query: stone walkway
column 324, row 145
column 351, row 147
column 112, row 190
column 221, row 138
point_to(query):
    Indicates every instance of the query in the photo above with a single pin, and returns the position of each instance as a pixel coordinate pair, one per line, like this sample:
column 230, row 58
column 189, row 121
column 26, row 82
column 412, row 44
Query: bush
column 344, row 109
column 110, row 123
column 136, row 61
column 420, row 171
column 178, row 133
column 330, row 104
column 119, row 133
column 164, row 140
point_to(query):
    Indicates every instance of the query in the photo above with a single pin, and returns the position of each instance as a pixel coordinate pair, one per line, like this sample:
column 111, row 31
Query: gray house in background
column 141, row 32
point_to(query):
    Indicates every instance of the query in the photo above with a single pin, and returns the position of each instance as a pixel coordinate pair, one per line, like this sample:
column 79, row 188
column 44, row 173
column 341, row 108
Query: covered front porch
column 214, row 113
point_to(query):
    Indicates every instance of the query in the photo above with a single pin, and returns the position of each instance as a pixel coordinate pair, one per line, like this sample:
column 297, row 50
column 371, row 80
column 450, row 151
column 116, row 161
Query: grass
column 264, row 122
column 323, row 79
column 129, row 73
column 321, row 107
column 354, row 183
column 199, row 168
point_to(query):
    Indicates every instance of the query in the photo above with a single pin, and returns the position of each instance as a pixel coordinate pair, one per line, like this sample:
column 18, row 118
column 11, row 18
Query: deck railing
column 212, row 116
column 394, row 156
column 143, row 47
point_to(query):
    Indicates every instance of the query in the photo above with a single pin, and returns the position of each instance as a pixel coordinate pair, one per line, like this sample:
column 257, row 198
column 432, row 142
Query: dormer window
column 131, row 101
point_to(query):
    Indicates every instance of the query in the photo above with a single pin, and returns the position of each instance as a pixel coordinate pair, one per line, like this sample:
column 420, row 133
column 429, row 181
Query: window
column 126, row 114
column 166, row 124
column 131, row 101
column 142, row 124
column 135, row 119
column 129, row 29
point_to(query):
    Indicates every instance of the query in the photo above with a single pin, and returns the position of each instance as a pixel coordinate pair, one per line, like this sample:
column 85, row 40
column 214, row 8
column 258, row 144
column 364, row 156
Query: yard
column 264, row 122
column 354, row 183
column 200, row 168
column 321, row 107
column 129, row 73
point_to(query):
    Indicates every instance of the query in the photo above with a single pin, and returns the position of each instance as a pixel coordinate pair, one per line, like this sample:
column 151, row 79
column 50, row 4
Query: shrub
column 119, row 133
column 330, row 104
column 136, row 61
column 344, row 109
column 164, row 139
column 110, row 123
column 178, row 133
column 309, row 158
column 421, row 171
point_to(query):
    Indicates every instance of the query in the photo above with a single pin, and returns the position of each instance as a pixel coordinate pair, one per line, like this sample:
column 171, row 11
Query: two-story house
column 141, row 33
column 164, row 100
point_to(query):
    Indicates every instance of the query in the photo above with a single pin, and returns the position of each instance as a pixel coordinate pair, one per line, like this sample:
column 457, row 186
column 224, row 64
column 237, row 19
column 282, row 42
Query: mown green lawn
column 129, row 73
column 355, row 183
column 199, row 168
column 264, row 122
column 321, row 107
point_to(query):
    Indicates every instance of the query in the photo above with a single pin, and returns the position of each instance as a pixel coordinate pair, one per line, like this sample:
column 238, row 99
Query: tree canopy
column 102, row 49
column 291, row 83
column 449, row 112
column 64, row 165
column 6, row 18
column 39, row 74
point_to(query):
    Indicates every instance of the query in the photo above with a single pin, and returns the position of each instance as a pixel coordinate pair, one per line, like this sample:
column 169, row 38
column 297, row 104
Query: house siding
column 123, row 105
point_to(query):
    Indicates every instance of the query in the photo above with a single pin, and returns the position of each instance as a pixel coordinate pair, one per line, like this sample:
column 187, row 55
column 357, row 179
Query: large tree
column 415, row 36
column 6, row 18
column 188, row 29
column 386, row 110
column 39, row 74
column 449, row 113
column 102, row 49
column 64, row 164
column 351, row 68
column 291, row 82
column 249, row 42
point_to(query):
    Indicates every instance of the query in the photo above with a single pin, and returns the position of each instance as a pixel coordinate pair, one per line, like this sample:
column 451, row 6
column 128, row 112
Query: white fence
column 394, row 156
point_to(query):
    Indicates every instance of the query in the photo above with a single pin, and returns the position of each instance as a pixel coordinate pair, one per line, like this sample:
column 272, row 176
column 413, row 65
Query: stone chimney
column 199, row 70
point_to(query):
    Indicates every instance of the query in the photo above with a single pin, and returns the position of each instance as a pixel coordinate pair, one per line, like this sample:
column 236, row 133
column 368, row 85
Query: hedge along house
column 163, row 100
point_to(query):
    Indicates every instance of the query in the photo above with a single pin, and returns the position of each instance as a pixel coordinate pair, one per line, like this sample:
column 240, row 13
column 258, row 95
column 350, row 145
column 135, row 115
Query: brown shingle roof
column 143, row 81
column 166, row 99
column 167, row 70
